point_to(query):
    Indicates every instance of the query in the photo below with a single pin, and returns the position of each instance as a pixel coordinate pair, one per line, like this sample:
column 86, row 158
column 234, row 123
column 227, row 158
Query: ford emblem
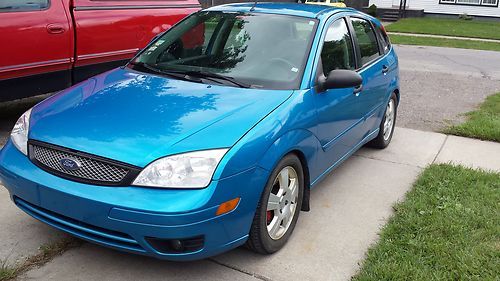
column 70, row 164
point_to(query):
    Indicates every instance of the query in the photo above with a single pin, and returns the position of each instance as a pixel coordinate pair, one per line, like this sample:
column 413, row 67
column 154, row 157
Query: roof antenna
column 253, row 7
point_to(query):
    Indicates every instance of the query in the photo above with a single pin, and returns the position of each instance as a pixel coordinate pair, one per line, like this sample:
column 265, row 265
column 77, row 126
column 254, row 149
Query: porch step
column 392, row 15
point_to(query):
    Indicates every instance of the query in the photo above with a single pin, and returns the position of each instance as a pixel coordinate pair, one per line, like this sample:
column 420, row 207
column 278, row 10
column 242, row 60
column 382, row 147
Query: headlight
column 19, row 134
column 187, row 170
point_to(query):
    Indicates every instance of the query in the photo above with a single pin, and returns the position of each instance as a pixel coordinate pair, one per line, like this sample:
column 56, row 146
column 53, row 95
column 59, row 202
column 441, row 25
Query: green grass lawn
column 448, row 228
column 483, row 123
column 450, row 27
column 440, row 42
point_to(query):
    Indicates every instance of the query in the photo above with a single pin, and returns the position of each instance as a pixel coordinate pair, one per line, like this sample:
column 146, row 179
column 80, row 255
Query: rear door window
column 23, row 5
column 367, row 40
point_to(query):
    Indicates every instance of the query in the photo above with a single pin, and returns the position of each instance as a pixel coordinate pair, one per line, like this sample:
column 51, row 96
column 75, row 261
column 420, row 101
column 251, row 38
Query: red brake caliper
column 270, row 216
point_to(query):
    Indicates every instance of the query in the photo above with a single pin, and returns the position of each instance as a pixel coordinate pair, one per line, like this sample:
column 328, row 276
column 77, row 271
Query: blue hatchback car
column 212, row 136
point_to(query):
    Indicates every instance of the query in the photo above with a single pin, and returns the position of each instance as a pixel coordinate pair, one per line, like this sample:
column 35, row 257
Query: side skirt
column 366, row 139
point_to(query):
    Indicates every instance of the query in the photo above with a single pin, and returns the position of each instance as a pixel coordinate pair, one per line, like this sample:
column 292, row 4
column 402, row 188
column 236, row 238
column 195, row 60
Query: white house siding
column 382, row 3
column 433, row 6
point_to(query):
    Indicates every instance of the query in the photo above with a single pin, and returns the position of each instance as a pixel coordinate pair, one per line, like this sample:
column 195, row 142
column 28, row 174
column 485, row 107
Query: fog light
column 227, row 206
column 184, row 245
column 177, row 245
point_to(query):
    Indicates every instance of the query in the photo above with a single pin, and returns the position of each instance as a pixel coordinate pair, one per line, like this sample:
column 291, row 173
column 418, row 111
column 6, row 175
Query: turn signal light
column 227, row 206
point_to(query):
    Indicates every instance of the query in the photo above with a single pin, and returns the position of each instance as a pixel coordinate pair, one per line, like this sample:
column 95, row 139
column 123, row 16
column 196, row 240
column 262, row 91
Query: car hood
column 137, row 118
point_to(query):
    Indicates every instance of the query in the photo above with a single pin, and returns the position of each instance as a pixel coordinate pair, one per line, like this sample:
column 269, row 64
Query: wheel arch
column 307, row 179
column 303, row 144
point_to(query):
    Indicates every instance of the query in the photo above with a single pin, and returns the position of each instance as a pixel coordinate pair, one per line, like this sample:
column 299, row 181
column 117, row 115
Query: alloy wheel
column 282, row 202
column 389, row 119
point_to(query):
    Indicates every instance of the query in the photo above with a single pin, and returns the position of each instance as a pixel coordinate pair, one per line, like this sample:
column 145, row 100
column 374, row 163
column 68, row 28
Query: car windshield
column 242, row 50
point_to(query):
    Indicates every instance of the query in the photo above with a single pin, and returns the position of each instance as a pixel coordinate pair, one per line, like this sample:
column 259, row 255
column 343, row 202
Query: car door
column 339, row 111
column 373, row 68
column 37, row 47
column 110, row 32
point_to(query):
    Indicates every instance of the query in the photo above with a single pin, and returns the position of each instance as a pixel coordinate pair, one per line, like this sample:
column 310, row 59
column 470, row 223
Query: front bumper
column 124, row 217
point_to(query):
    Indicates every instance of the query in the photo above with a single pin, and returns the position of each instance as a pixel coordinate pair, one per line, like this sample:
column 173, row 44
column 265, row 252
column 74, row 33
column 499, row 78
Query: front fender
column 305, row 145
column 300, row 140
column 286, row 128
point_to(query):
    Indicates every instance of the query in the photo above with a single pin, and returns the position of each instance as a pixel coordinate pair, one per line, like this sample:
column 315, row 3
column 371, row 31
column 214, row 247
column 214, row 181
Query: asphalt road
column 437, row 86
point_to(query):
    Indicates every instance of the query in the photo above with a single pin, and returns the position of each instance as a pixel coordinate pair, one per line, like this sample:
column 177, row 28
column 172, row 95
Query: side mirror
column 341, row 78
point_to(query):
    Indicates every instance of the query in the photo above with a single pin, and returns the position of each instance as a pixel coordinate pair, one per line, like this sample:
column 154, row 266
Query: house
column 477, row 8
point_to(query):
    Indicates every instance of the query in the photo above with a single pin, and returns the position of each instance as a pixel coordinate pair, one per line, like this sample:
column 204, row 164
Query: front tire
column 278, row 208
column 386, row 129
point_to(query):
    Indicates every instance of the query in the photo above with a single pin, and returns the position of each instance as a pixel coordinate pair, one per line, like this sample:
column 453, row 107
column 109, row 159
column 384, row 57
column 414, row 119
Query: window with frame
column 384, row 40
column 489, row 2
column 23, row 5
column 367, row 40
column 473, row 2
column 338, row 51
column 493, row 3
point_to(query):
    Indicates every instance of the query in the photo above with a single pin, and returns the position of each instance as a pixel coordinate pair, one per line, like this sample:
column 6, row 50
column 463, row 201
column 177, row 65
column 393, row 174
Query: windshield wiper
column 205, row 74
column 208, row 75
column 185, row 75
column 153, row 69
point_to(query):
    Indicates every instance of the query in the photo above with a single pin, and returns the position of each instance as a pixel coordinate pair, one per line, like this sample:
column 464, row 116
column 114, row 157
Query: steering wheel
column 172, row 52
column 288, row 66
column 282, row 62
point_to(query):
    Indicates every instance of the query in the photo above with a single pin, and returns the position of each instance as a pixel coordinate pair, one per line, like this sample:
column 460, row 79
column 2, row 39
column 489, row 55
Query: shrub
column 372, row 10
column 465, row 16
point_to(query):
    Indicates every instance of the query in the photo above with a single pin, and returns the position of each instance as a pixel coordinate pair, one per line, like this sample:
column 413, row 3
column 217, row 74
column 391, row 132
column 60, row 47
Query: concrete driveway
column 348, row 209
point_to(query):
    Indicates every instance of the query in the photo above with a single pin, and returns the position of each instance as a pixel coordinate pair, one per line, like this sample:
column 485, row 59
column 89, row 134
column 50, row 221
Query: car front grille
column 91, row 169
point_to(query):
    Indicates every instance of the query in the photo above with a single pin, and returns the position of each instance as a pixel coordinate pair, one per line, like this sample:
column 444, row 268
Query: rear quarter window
column 384, row 39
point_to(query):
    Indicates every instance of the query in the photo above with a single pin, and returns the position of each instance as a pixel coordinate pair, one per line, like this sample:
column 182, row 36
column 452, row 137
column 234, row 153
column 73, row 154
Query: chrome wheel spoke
column 287, row 216
column 274, row 226
column 273, row 202
column 293, row 191
column 283, row 179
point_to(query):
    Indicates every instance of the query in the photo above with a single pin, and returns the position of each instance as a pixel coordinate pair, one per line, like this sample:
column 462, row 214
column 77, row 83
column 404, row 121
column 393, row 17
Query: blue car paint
column 103, row 114
column 121, row 115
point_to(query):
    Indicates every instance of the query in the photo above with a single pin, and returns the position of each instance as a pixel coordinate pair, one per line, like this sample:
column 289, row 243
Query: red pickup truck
column 48, row 45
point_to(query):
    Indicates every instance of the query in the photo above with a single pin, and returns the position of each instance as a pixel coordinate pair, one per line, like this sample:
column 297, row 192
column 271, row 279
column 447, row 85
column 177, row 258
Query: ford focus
column 212, row 136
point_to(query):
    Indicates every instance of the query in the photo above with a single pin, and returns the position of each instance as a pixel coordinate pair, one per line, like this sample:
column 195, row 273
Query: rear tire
column 386, row 128
column 279, row 207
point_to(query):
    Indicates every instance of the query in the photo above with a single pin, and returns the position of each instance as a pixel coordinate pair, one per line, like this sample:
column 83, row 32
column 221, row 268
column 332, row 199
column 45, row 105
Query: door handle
column 55, row 28
column 385, row 69
column 357, row 90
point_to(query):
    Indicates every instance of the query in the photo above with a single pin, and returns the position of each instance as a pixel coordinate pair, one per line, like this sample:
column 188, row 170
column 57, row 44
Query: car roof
column 292, row 9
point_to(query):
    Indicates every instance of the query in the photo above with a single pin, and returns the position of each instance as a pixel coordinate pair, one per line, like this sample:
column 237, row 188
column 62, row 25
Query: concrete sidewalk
column 348, row 209
column 444, row 37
